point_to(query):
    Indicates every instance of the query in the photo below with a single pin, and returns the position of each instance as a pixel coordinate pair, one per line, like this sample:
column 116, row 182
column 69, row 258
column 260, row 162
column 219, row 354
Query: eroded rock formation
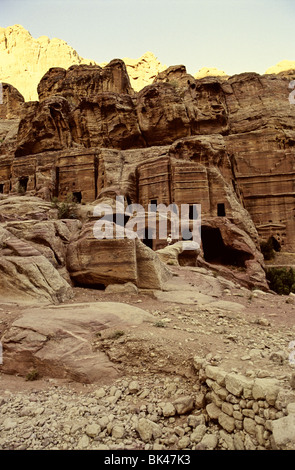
column 227, row 144
column 61, row 341
column 20, row 52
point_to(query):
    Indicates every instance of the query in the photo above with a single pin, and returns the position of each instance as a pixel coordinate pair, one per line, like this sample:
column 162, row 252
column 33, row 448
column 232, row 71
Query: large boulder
column 60, row 342
column 33, row 251
column 283, row 430
column 82, row 82
column 100, row 262
column 26, row 274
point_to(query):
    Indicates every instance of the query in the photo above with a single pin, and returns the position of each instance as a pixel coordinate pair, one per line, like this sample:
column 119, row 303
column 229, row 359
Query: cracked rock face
column 58, row 342
column 241, row 126
column 224, row 142
column 27, row 273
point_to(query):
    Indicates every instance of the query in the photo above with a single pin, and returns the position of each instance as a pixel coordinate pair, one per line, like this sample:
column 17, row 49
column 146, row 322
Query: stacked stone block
column 251, row 407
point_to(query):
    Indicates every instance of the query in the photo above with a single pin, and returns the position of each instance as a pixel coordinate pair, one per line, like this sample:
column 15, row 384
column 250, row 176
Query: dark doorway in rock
column 96, row 286
column 148, row 239
column 221, row 210
column 77, row 197
column 216, row 252
column 23, row 184
column 275, row 244
column 1, row 188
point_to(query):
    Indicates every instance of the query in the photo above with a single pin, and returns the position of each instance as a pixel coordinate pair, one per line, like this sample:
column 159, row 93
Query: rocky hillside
column 203, row 365
column 180, row 349
column 24, row 60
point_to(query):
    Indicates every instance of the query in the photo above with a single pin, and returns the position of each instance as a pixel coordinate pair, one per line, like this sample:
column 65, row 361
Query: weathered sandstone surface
column 203, row 365
column 227, row 145
column 20, row 52
column 24, row 60
column 206, row 362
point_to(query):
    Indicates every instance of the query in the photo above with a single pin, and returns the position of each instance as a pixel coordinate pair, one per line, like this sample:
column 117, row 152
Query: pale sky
column 233, row 35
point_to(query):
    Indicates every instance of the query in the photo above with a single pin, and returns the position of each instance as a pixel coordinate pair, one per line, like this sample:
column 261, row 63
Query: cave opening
column 83, row 285
column 77, row 197
column 216, row 252
column 23, row 184
column 221, row 210
column 1, row 188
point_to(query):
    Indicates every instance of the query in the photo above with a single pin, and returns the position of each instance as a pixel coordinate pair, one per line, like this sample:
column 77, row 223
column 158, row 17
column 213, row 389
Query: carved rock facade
column 224, row 143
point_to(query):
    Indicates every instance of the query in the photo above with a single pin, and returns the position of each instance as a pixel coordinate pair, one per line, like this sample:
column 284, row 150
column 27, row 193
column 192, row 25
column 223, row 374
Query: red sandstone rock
column 59, row 342
column 11, row 102
column 80, row 82
column 226, row 143
column 95, row 263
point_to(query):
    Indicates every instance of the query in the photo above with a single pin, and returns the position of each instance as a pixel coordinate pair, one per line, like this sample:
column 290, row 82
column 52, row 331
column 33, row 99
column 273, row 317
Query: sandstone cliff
column 24, row 60
column 226, row 143
column 142, row 71
column 283, row 66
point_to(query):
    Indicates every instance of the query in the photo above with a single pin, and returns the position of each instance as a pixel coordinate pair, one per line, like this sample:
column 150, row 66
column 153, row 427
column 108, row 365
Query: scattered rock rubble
column 148, row 413
column 200, row 375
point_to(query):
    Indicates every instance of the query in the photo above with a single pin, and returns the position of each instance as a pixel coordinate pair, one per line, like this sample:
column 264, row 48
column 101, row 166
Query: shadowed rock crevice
column 216, row 252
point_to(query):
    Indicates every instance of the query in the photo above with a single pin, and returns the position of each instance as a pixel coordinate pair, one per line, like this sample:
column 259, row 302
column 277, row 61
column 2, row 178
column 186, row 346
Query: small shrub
column 65, row 209
column 281, row 280
column 269, row 248
column 160, row 324
column 32, row 375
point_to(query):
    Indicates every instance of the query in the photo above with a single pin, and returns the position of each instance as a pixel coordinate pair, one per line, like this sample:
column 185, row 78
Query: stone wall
column 255, row 411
